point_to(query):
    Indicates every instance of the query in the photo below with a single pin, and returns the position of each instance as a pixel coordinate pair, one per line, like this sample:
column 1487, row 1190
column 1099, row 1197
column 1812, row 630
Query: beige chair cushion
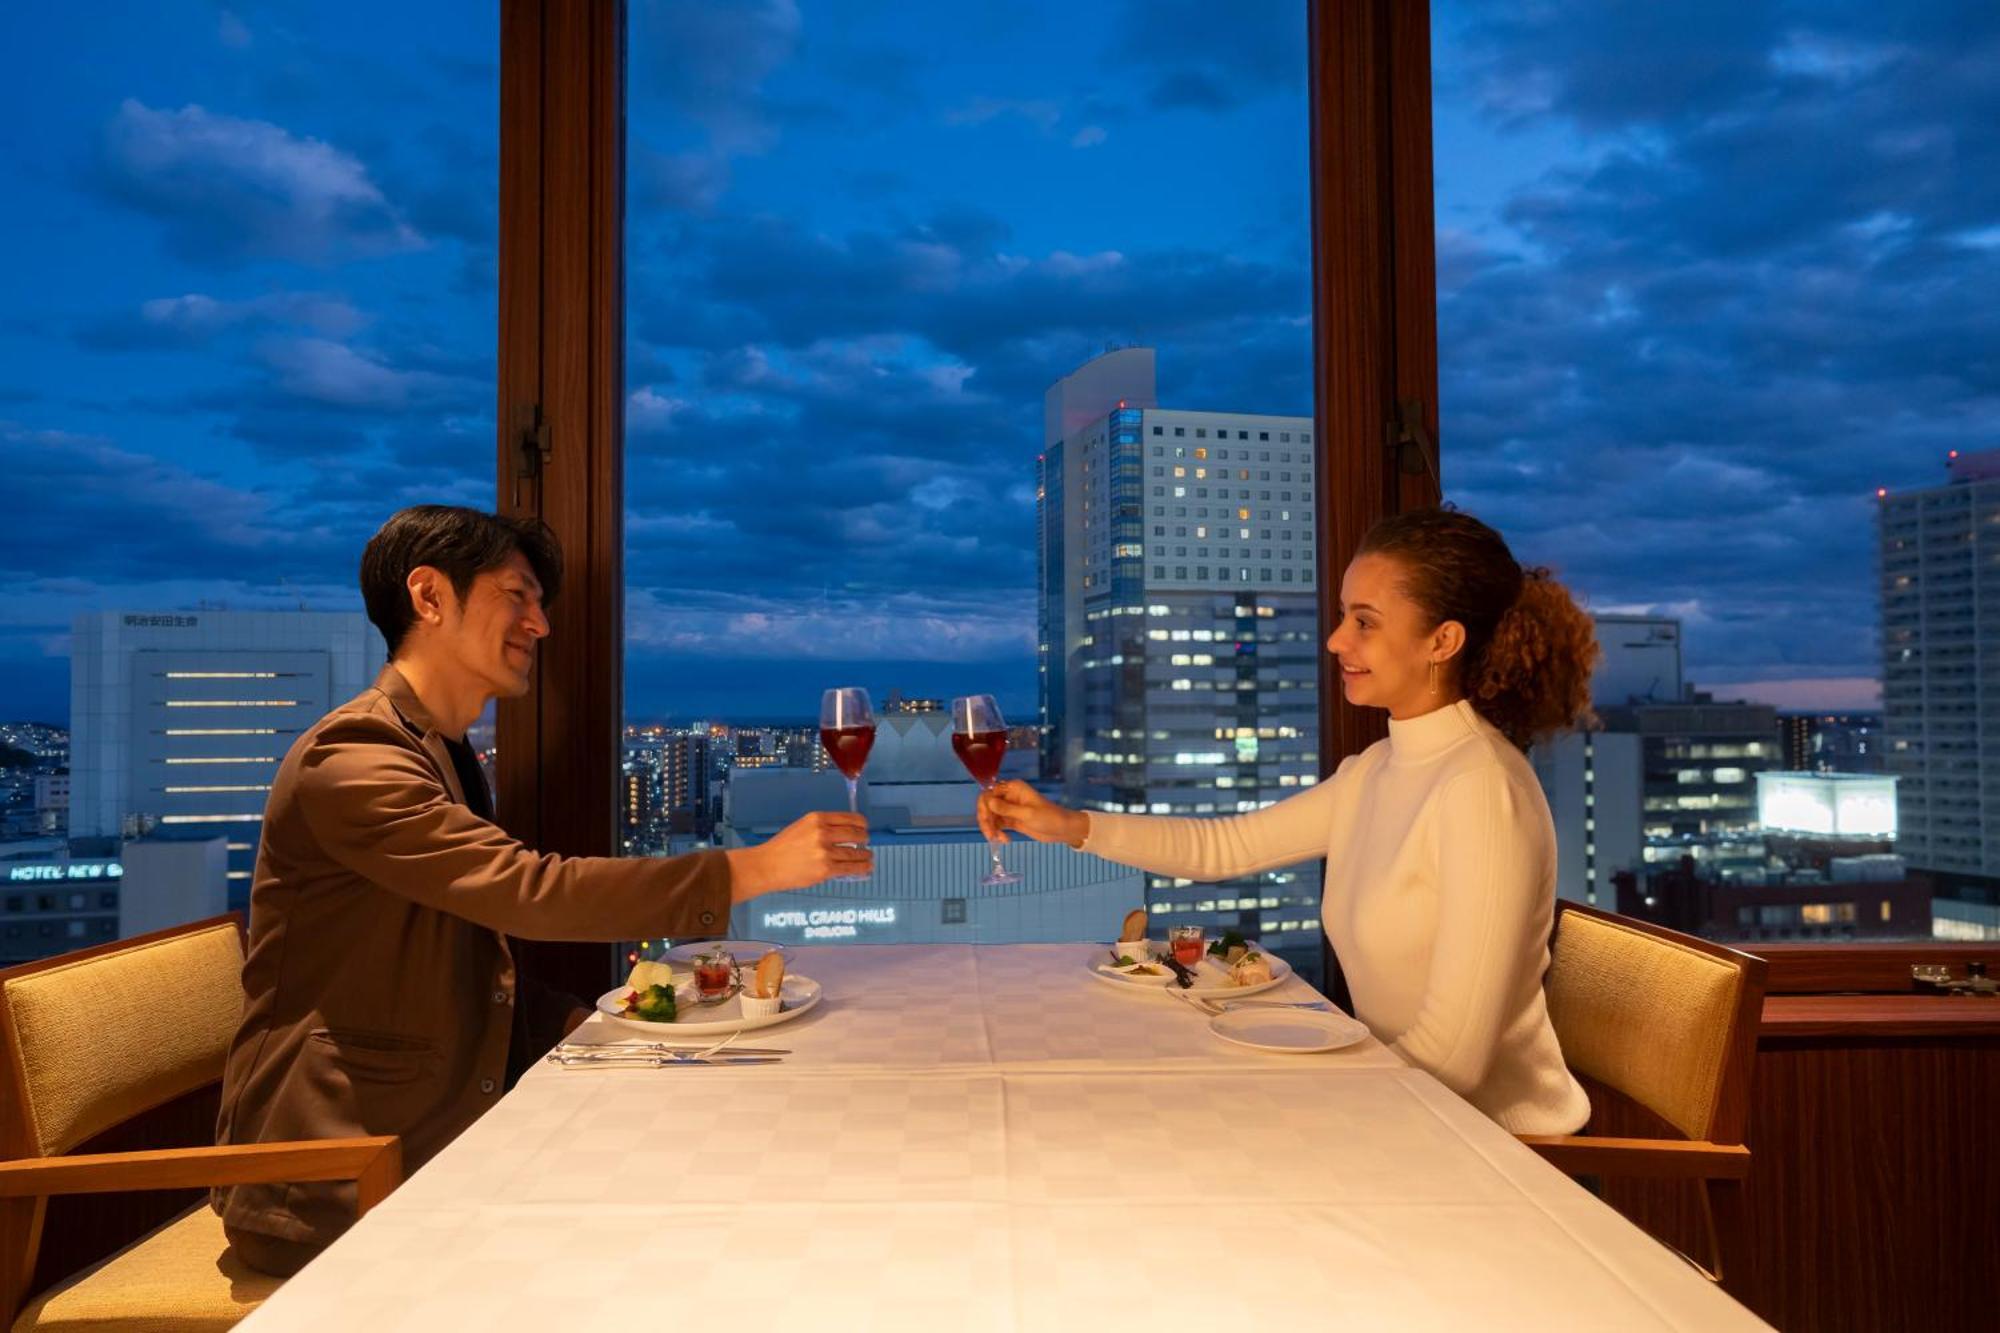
column 1643, row 1015
column 105, row 1038
column 180, row 1278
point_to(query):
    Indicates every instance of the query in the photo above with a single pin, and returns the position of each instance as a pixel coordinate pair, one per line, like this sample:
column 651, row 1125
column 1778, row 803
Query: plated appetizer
column 650, row 993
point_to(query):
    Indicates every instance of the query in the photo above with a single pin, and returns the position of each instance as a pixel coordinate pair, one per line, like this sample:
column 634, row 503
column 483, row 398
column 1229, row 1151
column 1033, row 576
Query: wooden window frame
column 560, row 422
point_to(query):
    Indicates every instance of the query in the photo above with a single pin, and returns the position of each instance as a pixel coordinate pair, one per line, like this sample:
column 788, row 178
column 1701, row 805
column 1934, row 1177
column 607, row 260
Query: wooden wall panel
column 1873, row 1200
column 1818, row 969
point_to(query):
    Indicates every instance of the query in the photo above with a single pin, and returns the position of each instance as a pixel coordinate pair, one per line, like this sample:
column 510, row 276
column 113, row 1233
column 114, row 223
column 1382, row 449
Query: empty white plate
column 1293, row 1031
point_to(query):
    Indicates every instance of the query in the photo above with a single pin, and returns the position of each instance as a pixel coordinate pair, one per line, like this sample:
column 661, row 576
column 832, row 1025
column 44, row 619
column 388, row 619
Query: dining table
column 993, row 1137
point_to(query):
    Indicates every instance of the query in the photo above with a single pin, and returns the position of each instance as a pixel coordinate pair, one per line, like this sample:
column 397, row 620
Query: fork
column 1224, row 1006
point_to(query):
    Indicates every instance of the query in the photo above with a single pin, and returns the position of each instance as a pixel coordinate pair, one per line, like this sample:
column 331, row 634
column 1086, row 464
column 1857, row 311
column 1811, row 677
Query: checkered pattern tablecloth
column 989, row 1139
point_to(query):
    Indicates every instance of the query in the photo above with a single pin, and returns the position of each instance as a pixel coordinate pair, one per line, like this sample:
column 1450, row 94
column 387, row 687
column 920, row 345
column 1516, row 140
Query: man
column 380, row 993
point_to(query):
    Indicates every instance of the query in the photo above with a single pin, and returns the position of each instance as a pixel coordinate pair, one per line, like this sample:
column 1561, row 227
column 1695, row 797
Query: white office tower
column 1941, row 671
column 179, row 720
column 1593, row 779
column 1179, row 625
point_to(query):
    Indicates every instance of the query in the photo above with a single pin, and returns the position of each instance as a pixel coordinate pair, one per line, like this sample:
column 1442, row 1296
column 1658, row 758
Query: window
column 1706, row 645
column 864, row 554
column 276, row 233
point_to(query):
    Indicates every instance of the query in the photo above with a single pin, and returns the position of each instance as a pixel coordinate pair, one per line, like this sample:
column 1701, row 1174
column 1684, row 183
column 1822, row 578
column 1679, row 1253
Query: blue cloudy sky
column 1709, row 274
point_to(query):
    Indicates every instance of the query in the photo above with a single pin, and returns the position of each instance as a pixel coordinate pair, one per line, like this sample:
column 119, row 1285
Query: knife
column 643, row 1060
column 658, row 1048
column 1181, row 975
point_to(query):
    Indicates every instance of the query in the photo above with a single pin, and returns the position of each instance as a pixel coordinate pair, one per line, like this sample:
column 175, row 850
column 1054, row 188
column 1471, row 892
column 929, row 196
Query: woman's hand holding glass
column 1015, row 807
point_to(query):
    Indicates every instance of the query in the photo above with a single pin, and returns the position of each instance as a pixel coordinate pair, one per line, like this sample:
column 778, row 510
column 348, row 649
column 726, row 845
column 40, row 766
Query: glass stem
column 853, row 796
column 993, row 846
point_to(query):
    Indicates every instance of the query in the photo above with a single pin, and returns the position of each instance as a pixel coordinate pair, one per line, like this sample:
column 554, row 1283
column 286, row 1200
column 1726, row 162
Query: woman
column 1440, row 877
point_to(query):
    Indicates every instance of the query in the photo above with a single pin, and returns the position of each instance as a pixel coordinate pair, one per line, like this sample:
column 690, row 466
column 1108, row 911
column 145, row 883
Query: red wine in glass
column 980, row 752
column 979, row 736
column 847, row 730
column 848, row 748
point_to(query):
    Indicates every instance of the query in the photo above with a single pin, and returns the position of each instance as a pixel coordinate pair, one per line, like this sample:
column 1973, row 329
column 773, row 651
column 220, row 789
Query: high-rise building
column 1940, row 552
column 641, row 830
column 1179, row 624
column 684, row 784
column 1699, row 762
column 178, row 721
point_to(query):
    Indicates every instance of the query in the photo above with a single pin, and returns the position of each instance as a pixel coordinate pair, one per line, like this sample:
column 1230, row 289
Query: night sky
column 1709, row 274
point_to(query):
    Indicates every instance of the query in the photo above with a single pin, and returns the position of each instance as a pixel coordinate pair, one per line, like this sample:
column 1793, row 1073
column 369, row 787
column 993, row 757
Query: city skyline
column 863, row 242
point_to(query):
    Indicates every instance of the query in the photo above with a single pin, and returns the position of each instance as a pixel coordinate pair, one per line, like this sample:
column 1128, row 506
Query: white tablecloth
column 987, row 1138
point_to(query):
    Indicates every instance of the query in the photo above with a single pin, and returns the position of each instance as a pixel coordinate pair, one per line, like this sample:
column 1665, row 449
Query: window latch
column 535, row 450
column 1411, row 439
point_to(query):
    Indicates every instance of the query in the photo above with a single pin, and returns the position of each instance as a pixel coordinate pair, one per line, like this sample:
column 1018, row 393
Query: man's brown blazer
column 378, row 989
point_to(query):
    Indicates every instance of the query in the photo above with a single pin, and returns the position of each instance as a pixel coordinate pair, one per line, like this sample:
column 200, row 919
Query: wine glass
column 979, row 736
column 847, row 730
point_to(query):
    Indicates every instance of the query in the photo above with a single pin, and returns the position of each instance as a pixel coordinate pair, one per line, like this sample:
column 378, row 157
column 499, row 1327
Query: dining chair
column 88, row 1042
column 1669, row 1022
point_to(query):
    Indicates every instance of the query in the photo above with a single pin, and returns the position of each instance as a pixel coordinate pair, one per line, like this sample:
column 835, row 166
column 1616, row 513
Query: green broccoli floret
column 656, row 1005
column 1230, row 940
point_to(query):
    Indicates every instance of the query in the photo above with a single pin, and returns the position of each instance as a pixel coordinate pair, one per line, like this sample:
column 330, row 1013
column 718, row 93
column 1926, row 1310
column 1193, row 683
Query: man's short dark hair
column 462, row 544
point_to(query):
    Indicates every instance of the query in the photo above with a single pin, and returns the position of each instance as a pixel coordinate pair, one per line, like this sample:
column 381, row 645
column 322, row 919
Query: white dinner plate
column 797, row 995
column 1292, row 1031
column 1210, row 977
column 746, row 952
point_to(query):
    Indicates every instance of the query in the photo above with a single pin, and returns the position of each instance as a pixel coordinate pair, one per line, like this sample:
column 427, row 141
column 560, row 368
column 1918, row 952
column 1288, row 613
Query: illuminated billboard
column 1828, row 805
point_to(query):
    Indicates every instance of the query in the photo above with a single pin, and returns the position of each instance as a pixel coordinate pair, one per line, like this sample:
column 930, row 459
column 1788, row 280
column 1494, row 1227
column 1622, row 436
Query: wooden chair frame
column 1718, row 1163
column 28, row 1180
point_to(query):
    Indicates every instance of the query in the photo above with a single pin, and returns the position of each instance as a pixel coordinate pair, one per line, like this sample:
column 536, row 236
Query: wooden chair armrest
column 1653, row 1158
column 375, row 1165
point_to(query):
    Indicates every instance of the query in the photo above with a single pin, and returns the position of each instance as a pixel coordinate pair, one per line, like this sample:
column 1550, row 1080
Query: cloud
column 232, row 32
column 1202, row 56
column 102, row 511
column 1684, row 350
column 228, row 189
column 1044, row 115
column 333, row 374
column 908, row 625
column 196, row 318
column 692, row 182
column 1090, row 136
column 709, row 60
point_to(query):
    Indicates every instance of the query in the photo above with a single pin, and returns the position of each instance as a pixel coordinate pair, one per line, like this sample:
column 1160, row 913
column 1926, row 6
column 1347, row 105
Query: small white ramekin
column 753, row 1007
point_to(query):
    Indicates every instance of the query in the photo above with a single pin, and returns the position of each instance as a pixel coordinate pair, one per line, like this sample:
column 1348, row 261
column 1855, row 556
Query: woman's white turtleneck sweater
column 1440, row 888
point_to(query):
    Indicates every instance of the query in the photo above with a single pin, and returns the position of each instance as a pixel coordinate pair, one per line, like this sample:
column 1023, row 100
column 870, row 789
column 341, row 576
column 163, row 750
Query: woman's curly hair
column 1529, row 648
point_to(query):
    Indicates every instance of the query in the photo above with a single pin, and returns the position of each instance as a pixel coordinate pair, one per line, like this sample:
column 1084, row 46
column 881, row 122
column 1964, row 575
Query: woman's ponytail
column 1533, row 679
